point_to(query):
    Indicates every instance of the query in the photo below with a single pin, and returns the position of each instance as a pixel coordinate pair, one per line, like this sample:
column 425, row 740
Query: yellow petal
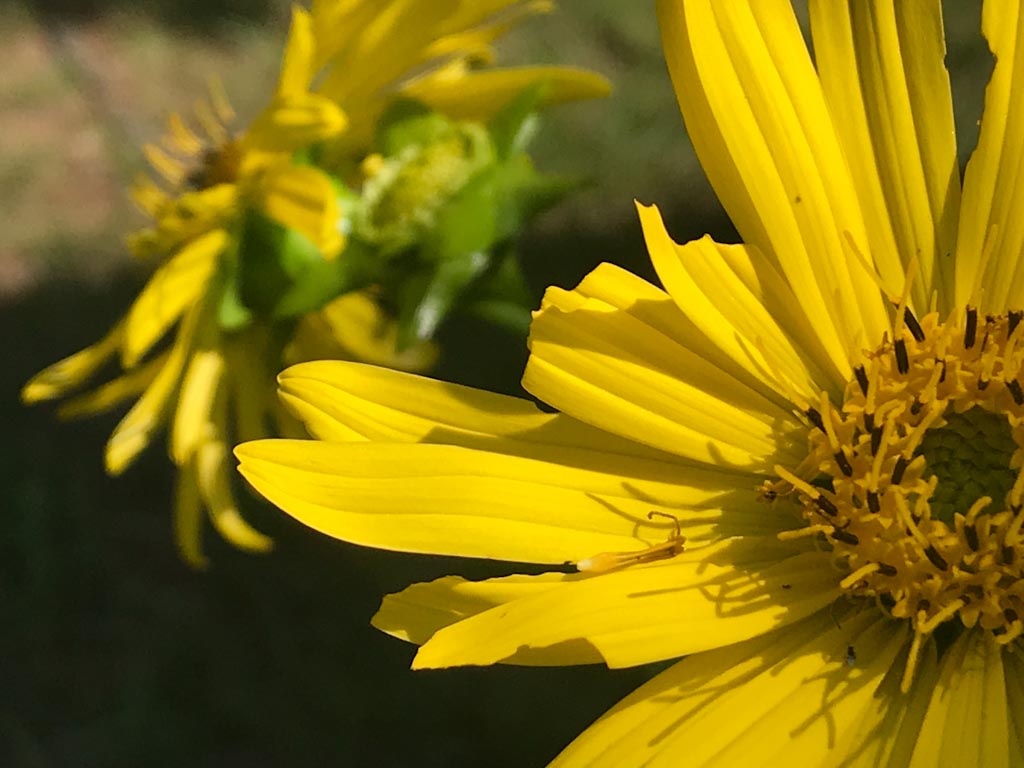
column 61, row 377
column 199, row 388
column 135, row 430
column 967, row 722
column 743, row 331
column 886, row 730
column 188, row 517
column 354, row 327
column 780, row 699
column 418, row 612
column 614, row 369
column 515, row 500
column 297, row 63
column 174, row 287
column 479, row 94
column 213, row 476
column 688, row 604
column 882, row 69
column 295, row 121
column 990, row 220
column 756, row 115
column 303, row 199
column 351, row 401
column 113, row 392
column 1014, row 666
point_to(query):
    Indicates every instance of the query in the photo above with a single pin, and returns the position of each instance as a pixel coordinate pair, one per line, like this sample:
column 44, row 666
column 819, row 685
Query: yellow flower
column 344, row 62
column 799, row 465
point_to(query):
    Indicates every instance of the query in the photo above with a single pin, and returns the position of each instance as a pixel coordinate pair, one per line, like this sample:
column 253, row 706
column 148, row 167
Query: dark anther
column 942, row 376
column 845, row 536
column 1008, row 555
column 999, row 631
column 873, row 504
column 972, row 327
column 937, row 560
column 902, row 360
column 787, row 586
column 869, row 421
column 815, row 418
column 1012, row 321
column 915, row 327
column 876, row 440
column 1016, row 508
column 862, row 378
column 915, row 407
column 825, row 505
column 972, row 537
column 898, row 470
column 983, row 383
column 924, row 605
column 844, row 463
column 887, row 570
column 1015, row 389
column 1011, row 615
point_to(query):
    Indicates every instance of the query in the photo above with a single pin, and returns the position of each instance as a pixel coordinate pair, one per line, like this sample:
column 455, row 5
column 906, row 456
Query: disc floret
column 915, row 480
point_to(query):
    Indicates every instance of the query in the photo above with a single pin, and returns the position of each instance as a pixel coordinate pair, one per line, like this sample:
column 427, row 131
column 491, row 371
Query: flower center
column 217, row 165
column 915, row 481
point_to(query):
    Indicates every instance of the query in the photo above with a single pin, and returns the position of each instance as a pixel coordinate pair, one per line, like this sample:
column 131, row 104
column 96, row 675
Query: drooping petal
column 188, row 517
column 202, row 382
column 780, row 699
column 73, row 371
column 967, row 721
column 213, row 477
column 516, row 501
column 174, row 287
column 616, row 369
column 304, row 199
column 693, row 602
column 882, row 68
column 134, row 432
column 352, row 401
column 756, row 115
column 114, row 392
column 705, row 281
column 991, row 227
column 477, row 94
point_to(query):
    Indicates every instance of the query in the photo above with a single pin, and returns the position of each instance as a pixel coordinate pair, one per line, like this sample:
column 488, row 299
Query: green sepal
column 232, row 314
column 513, row 127
column 407, row 123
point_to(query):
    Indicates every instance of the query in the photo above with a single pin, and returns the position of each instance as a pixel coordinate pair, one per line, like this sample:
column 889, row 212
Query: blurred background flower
column 113, row 653
column 343, row 188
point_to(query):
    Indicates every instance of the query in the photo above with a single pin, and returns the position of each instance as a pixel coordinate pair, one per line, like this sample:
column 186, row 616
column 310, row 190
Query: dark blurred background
column 111, row 651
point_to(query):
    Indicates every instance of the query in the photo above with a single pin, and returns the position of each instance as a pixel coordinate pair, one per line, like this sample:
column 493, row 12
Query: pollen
column 915, row 480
